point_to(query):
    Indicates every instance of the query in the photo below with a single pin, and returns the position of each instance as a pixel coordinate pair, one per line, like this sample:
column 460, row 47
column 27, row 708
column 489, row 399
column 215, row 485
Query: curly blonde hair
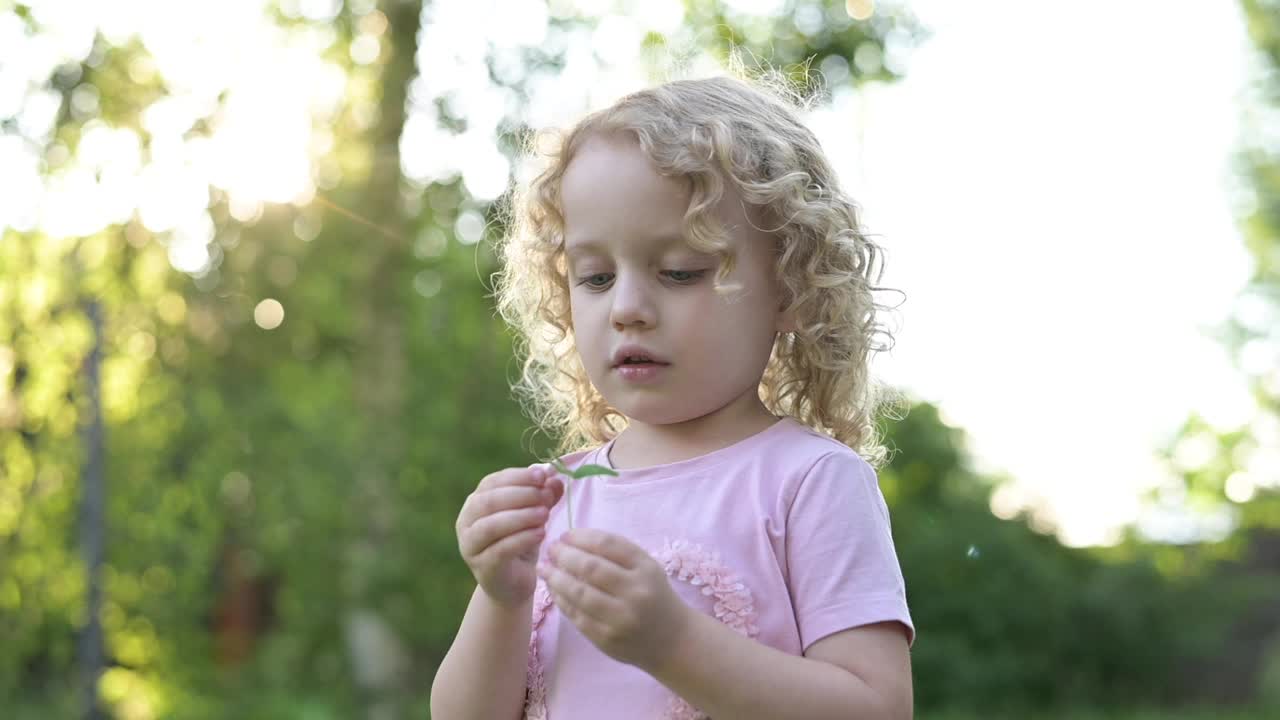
column 710, row 131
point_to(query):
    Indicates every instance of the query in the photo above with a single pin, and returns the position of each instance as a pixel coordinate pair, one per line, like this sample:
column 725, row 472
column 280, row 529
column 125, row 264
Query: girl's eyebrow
column 660, row 242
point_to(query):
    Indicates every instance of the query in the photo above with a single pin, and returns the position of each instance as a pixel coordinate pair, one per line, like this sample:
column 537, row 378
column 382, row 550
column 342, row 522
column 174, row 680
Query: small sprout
column 582, row 472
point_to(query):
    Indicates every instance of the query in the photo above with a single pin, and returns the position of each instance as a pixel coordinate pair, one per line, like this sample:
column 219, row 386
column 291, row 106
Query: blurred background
column 249, row 368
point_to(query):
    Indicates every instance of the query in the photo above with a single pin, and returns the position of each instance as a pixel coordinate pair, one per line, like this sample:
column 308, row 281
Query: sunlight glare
column 71, row 204
column 615, row 39
column 661, row 16
column 17, row 69
column 115, row 156
column 1259, row 356
column 66, row 32
column 486, row 170
column 319, row 10
column 756, row 7
column 189, row 244
column 260, row 148
column 173, row 115
column 100, row 189
column 171, row 193
column 39, row 112
column 513, row 24
column 19, row 184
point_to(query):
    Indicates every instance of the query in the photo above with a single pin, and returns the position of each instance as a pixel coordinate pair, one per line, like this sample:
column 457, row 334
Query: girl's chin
column 655, row 410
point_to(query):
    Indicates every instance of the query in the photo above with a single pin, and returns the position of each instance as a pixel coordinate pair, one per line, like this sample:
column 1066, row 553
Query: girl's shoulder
column 805, row 462
column 799, row 446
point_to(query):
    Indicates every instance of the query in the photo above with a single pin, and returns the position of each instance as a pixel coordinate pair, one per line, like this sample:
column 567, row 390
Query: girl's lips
column 640, row 372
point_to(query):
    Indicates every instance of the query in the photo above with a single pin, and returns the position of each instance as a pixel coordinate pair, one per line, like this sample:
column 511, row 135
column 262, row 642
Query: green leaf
column 584, row 471
column 589, row 470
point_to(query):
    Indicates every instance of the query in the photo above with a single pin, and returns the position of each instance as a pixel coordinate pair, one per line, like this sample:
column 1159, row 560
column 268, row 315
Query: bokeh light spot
column 172, row 308
column 1240, row 488
column 860, row 9
column 268, row 314
column 365, row 49
column 469, row 227
column 427, row 283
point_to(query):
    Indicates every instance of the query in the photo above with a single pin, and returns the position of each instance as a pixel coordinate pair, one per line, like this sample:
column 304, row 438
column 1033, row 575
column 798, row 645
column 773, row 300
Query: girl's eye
column 588, row 280
column 685, row 276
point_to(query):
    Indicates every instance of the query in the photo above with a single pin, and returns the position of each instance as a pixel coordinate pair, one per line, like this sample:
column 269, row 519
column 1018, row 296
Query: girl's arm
column 862, row 673
column 483, row 674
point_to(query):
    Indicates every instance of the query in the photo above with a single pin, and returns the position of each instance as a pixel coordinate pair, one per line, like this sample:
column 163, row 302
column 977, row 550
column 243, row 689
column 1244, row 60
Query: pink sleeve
column 843, row 569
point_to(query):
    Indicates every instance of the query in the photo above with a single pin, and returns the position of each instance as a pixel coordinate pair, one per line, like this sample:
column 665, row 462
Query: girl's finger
column 621, row 551
column 510, row 497
column 584, row 598
column 493, row 528
column 515, row 544
column 532, row 476
column 586, row 624
column 594, row 570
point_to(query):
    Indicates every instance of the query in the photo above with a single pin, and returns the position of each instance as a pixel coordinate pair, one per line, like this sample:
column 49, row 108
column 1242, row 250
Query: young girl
column 694, row 296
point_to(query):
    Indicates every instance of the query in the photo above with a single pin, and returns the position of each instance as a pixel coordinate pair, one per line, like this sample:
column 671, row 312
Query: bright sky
column 1051, row 187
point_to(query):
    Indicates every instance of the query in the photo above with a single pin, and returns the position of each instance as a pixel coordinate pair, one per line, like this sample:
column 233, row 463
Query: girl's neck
column 643, row 445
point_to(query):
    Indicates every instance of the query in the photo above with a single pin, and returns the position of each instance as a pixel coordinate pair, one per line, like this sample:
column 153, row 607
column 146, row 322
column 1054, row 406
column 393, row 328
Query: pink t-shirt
column 783, row 536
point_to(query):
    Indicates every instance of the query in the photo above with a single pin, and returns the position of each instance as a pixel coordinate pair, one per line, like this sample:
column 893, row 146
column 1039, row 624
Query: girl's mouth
column 640, row 371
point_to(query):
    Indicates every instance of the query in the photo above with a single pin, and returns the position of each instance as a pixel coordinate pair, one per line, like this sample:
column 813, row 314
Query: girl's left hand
column 616, row 594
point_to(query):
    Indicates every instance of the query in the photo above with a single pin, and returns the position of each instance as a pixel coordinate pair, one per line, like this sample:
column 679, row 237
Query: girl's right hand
column 501, row 526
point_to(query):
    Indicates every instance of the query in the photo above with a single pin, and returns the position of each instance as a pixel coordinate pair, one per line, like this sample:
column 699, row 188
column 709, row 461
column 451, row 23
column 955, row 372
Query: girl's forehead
column 606, row 178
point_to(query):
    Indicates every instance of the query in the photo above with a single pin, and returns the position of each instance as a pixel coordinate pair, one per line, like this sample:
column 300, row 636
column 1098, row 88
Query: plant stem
column 568, row 497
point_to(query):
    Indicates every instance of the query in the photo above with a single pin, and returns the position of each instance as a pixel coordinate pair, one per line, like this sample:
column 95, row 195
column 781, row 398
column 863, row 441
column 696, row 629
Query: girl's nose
column 632, row 303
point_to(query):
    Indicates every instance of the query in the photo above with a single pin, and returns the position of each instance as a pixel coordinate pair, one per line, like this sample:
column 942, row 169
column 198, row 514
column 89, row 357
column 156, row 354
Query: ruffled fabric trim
column 688, row 562
column 734, row 603
column 535, row 698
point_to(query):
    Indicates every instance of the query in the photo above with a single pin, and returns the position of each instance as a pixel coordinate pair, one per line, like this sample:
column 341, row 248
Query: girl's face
column 634, row 282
